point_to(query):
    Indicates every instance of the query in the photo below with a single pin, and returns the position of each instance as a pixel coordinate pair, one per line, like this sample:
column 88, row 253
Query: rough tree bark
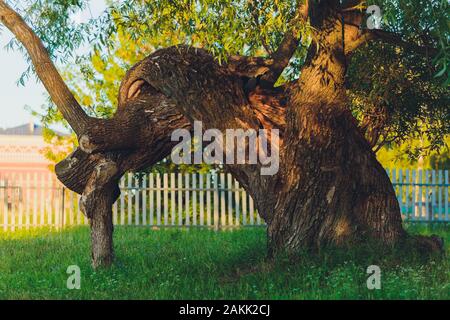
column 330, row 189
column 99, row 195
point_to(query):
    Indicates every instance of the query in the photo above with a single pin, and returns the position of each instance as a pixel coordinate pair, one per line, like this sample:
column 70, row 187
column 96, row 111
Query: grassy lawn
column 203, row 264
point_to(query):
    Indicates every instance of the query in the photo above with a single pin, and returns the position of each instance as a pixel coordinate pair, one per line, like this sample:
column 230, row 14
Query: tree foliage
column 396, row 94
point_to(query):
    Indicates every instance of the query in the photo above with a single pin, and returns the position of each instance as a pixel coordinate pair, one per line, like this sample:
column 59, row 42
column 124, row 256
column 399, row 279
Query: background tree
column 330, row 189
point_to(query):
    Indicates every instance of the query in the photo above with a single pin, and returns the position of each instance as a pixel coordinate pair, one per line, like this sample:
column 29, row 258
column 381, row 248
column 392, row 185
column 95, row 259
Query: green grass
column 203, row 264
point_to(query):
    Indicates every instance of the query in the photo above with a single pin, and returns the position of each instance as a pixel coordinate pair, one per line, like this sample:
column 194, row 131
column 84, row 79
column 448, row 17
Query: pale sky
column 13, row 97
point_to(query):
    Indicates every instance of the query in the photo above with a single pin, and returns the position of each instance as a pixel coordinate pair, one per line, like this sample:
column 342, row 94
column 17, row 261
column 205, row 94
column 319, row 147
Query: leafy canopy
column 395, row 93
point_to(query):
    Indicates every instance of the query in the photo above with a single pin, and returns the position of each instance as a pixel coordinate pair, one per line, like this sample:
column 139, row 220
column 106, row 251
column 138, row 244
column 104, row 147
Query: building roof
column 29, row 129
column 22, row 145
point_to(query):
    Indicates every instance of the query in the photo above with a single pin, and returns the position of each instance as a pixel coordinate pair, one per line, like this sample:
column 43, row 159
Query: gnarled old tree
column 329, row 190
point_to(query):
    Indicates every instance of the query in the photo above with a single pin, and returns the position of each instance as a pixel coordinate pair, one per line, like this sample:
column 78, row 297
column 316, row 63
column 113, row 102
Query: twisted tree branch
column 391, row 38
column 288, row 45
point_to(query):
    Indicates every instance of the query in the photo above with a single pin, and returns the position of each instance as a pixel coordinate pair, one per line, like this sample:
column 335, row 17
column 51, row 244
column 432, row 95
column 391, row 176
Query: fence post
column 166, row 199
column 230, row 199
column 216, row 202
column 35, row 197
column 446, row 195
column 433, row 194
column 201, row 195
column 208, row 199
column 187, row 200
column 223, row 217
column 144, row 199
column 152, row 198
column 137, row 192
column 158, row 199
column 194, row 199
column 21, row 199
column 180, row 199
column 172, row 198
column 420, row 196
column 5, row 205
column 115, row 205
column 27, row 196
column 63, row 207
column 407, row 189
column 244, row 205
column 440, row 216
column 426, row 195
column 400, row 189
column 236, row 203
column 13, row 200
column 129, row 200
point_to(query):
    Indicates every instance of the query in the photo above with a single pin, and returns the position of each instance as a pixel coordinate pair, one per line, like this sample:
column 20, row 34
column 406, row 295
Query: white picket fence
column 212, row 200
column 423, row 195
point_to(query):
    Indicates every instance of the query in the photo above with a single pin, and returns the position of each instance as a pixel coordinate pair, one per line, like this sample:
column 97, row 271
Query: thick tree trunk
column 99, row 195
column 333, row 191
column 102, row 231
column 337, row 193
